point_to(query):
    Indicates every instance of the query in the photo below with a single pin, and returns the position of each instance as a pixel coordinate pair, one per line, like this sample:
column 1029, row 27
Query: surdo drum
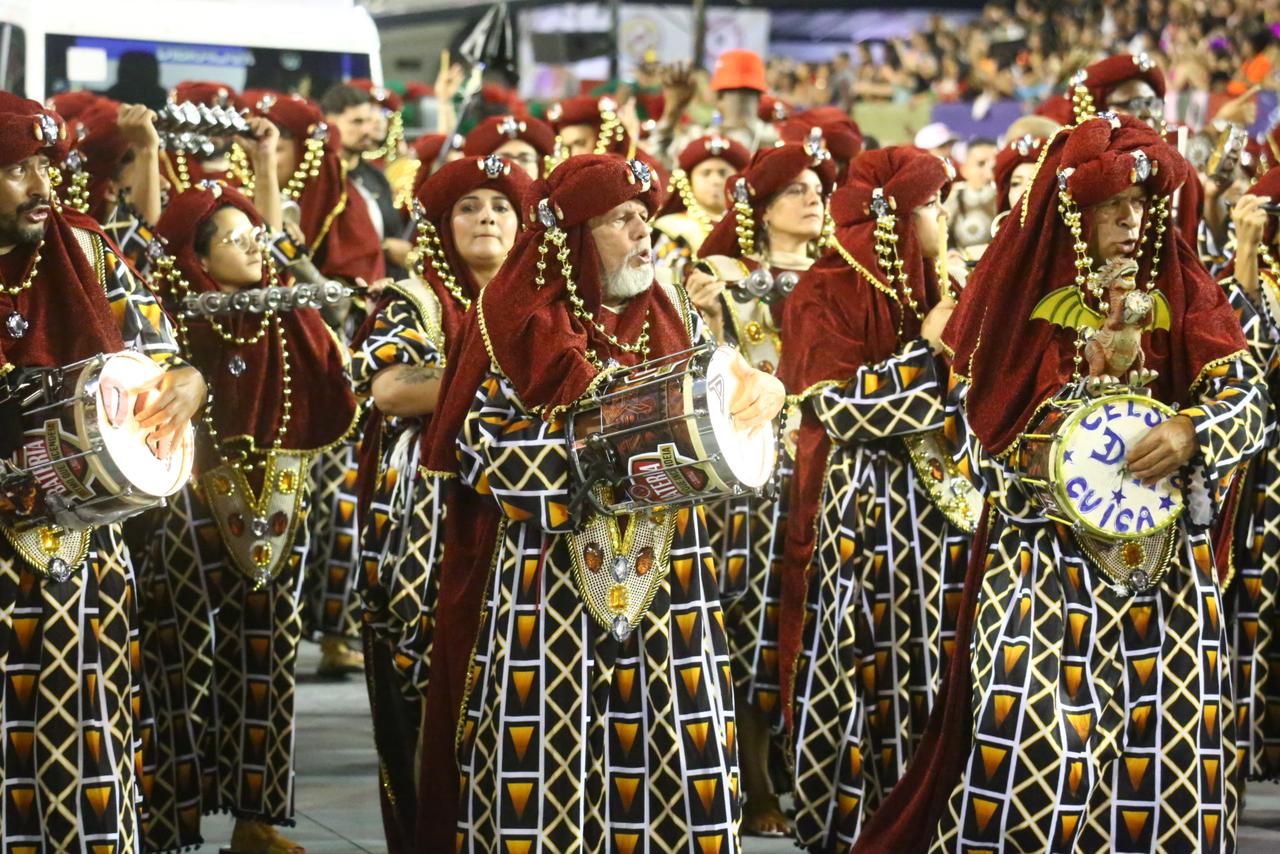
column 84, row 459
column 1073, row 459
column 661, row 434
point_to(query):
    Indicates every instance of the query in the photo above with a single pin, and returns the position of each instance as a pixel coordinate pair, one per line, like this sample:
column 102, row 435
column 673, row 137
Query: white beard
column 628, row 282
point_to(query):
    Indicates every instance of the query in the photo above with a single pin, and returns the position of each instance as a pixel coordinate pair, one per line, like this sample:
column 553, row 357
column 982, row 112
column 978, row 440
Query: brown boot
column 337, row 660
column 257, row 837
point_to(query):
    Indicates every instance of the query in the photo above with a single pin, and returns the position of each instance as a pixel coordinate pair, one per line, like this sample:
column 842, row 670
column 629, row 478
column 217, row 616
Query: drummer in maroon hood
column 73, row 734
column 1089, row 704
column 580, row 723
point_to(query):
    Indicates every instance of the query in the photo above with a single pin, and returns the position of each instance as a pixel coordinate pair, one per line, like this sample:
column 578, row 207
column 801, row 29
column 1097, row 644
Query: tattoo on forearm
column 417, row 374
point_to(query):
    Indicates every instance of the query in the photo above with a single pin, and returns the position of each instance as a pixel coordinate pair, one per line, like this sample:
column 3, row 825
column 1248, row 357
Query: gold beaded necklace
column 31, row 274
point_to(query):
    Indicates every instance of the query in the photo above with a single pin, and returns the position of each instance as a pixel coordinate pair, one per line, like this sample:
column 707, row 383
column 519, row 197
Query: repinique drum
column 661, row 434
column 1073, row 461
column 84, row 457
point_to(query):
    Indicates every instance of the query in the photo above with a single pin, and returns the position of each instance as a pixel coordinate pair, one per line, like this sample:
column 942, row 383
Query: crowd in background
column 1028, row 49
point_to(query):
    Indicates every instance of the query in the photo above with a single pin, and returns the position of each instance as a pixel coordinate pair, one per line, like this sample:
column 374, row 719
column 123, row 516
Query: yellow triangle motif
column 1137, row 768
column 1211, row 774
column 983, row 810
column 519, row 794
column 1211, row 828
column 520, row 736
column 624, row 678
column 692, row 677
column 1069, row 823
column 524, row 627
column 706, row 790
column 1072, row 674
column 1003, row 703
column 626, row 734
column 626, row 790
column 1143, row 667
column 1140, row 616
column 1077, row 621
column 523, row 680
column 698, row 734
column 685, row 623
column 1082, row 723
column 1012, row 655
column 1140, row 715
column 711, row 844
column 1135, row 821
column 992, row 757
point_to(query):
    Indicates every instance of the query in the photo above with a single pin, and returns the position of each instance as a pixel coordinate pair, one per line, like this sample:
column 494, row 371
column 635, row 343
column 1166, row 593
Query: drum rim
column 707, row 435
column 1059, row 484
column 88, row 423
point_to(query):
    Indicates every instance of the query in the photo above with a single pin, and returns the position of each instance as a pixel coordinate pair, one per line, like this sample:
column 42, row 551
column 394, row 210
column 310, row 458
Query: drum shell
column 649, row 421
column 78, row 484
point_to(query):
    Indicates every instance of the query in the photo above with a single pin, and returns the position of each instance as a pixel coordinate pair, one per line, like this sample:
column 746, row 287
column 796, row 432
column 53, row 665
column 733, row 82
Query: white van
column 52, row 46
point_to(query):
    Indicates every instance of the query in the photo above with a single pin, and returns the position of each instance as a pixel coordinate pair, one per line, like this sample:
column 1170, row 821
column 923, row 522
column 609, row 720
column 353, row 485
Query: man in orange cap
column 738, row 81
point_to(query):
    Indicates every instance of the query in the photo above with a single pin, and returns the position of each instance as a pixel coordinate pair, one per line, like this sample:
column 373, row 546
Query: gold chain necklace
column 31, row 275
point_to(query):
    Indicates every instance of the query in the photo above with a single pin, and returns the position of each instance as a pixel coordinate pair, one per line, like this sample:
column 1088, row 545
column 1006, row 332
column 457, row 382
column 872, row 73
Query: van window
column 13, row 59
column 137, row 70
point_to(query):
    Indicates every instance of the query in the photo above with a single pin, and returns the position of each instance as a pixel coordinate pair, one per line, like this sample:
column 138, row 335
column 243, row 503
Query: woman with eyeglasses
column 222, row 580
column 751, row 259
column 468, row 214
column 875, row 545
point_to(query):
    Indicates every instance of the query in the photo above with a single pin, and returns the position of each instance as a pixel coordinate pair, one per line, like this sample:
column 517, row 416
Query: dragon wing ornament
column 1066, row 307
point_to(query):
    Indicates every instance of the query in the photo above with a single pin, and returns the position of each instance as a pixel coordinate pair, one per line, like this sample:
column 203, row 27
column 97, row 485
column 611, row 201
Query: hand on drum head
column 759, row 397
column 168, row 403
column 1160, row 453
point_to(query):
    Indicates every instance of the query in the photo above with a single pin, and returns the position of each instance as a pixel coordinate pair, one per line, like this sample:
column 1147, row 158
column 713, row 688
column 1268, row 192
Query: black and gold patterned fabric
column 572, row 740
column 77, row 723
column 330, row 604
column 886, row 577
column 1252, row 598
column 1104, row 720
column 400, row 546
column 221, row 652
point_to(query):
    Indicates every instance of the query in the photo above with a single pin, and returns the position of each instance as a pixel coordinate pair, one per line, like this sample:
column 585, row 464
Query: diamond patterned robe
column 1104, row 720
column 1253, row 595
column 78, row 735
column 399, row 548
column 884, row 582
column 571, row 740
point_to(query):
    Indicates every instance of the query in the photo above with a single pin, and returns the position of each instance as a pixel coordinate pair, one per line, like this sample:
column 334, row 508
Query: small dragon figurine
column 1114, row 348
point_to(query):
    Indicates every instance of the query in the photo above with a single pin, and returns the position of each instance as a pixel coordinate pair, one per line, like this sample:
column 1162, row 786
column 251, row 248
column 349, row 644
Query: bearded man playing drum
column 73, row 735
column 1089, row 705
column 586, row 651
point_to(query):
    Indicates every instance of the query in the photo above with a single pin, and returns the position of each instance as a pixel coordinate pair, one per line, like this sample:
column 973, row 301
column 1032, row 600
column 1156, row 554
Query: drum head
column 750, row 454
column 1093, row 479
column 126, row 442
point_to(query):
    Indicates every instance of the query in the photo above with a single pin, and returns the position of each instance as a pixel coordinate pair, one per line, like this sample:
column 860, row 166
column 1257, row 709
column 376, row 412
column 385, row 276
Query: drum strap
column 91, row 245
column 618, row 575
column 679, row 298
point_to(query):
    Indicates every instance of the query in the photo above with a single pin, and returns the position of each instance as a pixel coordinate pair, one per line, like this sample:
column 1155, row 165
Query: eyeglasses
column 244, row 239
column 1139, row 106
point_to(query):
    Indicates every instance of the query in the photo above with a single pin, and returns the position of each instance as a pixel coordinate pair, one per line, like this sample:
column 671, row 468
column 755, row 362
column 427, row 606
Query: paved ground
column 338, row 799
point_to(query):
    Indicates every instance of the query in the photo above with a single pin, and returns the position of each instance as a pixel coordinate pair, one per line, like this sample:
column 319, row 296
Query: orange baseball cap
column 739, row 69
